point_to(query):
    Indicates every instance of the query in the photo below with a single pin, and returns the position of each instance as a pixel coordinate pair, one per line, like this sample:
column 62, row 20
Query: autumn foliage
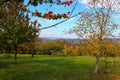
column 49, row 15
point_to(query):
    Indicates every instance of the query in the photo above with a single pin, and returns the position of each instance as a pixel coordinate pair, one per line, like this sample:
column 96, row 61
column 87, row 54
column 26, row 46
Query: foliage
column 24, row 49
column 49, row 48
column 67, row 50
column 49, row 15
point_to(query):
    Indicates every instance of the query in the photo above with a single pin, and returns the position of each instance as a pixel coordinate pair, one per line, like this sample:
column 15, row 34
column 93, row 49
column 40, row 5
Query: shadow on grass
column 4, row 65
column 50, row 68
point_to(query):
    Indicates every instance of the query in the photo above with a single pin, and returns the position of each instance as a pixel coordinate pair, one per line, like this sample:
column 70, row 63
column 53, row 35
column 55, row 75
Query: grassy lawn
column 54, row 68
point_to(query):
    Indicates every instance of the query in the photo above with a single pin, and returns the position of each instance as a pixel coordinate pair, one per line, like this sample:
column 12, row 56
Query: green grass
column 54, row 68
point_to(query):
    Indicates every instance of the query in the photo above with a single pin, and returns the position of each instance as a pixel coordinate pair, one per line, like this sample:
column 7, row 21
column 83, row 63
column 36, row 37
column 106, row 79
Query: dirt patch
column 115, row 76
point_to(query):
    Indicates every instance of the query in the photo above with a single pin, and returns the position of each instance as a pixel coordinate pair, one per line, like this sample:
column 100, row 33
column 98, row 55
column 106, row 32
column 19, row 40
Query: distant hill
column 48, row 38
column 74, row 39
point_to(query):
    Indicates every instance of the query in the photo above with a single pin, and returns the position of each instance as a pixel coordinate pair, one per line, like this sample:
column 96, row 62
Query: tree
column 95, row 24
column 17, row 28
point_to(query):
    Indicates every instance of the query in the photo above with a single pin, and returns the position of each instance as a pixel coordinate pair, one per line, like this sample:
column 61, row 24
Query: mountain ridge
column 74, row 39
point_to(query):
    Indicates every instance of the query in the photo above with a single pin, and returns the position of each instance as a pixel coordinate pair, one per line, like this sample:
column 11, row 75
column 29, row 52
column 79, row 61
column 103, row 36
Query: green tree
column 17, row 28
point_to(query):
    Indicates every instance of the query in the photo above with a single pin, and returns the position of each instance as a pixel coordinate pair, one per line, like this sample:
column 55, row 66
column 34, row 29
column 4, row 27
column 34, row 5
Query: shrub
column 49, row 48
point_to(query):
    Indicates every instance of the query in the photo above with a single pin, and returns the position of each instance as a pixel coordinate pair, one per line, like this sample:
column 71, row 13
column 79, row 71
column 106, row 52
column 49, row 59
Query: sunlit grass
column 54, row 68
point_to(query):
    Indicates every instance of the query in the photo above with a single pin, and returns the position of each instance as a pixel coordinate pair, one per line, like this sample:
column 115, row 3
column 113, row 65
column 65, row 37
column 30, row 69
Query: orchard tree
column 96, row 23
column 16, row 26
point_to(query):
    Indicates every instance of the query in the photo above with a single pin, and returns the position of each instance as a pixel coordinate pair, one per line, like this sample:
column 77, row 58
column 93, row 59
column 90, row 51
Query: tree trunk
column 15, row 54
column 15, row 58
column 7, row 54
column 97, row 64
column 33, row 51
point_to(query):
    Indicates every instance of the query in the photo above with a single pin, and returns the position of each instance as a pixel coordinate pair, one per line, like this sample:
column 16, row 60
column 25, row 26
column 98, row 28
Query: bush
column 49, row 48
column 25, row 49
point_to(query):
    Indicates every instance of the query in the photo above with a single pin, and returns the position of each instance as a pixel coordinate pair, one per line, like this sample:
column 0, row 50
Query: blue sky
column 58, row 31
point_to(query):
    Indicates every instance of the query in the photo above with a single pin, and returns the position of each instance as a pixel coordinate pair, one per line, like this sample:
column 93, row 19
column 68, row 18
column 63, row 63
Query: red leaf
column 37, row 13
column 48, row 15
column 65, row 16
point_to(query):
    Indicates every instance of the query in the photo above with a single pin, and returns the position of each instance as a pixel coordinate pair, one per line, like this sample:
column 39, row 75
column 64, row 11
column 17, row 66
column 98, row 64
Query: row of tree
column 16, row 26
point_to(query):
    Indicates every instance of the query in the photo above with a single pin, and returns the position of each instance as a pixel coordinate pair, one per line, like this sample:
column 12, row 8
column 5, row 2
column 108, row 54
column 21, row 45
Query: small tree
column 94, row 25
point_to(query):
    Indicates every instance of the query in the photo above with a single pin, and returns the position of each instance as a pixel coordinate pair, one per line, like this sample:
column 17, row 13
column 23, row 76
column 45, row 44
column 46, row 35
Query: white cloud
column 85, row 2
column 47, row 33
column 110, row 4
column 71, row 19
